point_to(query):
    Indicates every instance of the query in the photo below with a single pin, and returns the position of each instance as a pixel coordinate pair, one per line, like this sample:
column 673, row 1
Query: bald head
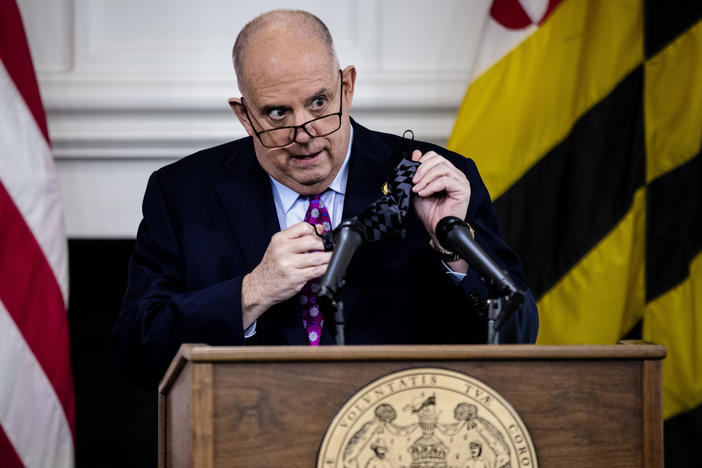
column 289, row 76
column 282, row 32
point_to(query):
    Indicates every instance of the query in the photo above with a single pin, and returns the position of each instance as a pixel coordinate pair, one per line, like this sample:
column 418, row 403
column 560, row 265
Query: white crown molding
column 96, row 117
column 171, row 136
column 388, row 90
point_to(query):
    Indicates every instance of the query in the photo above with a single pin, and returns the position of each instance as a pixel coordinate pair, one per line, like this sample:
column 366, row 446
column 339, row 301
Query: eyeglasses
column 279, row 137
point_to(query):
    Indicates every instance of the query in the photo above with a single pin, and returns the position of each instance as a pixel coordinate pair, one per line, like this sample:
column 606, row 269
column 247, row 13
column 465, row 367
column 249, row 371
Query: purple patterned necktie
column 312, row 318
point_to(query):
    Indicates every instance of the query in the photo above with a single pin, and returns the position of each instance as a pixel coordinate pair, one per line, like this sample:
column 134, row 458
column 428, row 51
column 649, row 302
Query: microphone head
column 348, row 237
column 353, row 224
column 444, row 226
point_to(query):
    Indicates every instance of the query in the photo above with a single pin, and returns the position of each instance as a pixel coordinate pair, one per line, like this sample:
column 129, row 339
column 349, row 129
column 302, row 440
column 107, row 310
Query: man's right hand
column 293, row 257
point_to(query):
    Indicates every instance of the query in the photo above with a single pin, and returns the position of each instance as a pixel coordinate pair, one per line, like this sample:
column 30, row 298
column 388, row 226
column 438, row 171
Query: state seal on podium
column 427, row 418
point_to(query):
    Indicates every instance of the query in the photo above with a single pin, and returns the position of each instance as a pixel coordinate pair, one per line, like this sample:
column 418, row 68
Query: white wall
column 131, row 85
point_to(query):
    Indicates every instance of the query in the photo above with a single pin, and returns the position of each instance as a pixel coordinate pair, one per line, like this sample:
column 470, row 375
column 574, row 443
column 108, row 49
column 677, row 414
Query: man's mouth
column 303, row 157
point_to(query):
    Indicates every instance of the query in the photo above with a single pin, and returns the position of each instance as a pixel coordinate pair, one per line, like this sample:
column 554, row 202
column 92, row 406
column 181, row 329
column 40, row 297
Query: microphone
column 348, row 237
column 454, row 235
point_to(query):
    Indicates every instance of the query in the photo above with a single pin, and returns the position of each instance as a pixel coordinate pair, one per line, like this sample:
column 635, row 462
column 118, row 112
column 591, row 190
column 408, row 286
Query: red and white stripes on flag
column 37, row 422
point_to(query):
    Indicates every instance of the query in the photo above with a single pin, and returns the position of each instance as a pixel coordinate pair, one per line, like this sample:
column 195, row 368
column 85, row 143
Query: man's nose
column 302, row 136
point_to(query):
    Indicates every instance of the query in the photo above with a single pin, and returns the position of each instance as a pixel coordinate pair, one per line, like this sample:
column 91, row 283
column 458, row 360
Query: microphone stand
column 501, row 307
column 348, row 237
column 505, row 296
column 499, row 310
column 494, row 311
column 335, row 305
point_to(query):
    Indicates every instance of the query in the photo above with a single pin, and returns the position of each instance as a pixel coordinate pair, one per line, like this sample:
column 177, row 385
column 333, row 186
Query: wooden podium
column 584, row 406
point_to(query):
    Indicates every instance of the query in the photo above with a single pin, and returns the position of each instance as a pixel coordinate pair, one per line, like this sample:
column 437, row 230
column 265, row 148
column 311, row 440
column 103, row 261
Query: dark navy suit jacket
column 208, row 219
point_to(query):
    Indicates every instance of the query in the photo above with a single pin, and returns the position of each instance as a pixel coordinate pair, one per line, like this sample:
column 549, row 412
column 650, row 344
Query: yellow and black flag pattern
column 587, row 133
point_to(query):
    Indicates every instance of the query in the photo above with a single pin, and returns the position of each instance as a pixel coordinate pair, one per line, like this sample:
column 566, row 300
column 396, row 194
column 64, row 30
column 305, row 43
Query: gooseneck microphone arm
column 453, row 234
column 348, row 237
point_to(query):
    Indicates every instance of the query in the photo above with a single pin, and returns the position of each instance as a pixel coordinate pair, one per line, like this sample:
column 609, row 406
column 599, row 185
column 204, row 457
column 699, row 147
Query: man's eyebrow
column 270, row 107
column 320, row 92
column 265, row 110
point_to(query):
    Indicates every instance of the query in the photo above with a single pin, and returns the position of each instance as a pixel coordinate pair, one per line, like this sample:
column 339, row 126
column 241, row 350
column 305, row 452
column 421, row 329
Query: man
column 223, row 254
column 476, row 459
column 379, row 461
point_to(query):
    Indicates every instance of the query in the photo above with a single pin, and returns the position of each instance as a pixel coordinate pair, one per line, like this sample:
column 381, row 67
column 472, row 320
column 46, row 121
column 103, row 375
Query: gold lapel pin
column 385, row 188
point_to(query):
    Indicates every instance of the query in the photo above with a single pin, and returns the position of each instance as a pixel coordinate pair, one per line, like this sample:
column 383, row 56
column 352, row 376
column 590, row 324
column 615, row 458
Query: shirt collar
column 339, row 183
column 288, row 196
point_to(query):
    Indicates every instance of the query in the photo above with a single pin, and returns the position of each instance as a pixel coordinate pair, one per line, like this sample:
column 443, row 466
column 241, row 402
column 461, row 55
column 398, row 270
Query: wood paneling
column 583, row 406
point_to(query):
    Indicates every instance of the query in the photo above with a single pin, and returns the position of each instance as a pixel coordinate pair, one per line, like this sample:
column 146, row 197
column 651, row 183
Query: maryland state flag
column 585, row 120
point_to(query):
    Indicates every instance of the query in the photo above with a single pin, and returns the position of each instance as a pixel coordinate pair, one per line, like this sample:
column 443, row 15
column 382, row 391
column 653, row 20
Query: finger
column 313, row 259
column 318, row 229
column 419, row 157
column 304, row 244
column 426, row 156
column 429, row 162
column 298, row 230
column 440, row 171
column 295, row 262
column 443, row 184
column 307, row 275
column 312, row 272
column 303, row 274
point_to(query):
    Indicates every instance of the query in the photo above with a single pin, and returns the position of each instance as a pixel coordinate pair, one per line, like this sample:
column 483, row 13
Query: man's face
column 290, row 84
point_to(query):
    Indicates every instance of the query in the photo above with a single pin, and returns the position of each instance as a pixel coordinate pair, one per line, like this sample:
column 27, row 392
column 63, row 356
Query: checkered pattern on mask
column 385, row 217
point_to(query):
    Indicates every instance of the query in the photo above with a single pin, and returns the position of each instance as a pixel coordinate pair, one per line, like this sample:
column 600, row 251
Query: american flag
column 37, row 422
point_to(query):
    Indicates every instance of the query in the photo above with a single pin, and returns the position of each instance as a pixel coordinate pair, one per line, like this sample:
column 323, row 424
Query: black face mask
column 385, row 217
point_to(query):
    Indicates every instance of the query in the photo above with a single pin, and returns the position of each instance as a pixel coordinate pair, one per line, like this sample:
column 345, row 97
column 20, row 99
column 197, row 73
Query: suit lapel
column 369, row 155
column 247, row 201
column 371, row 164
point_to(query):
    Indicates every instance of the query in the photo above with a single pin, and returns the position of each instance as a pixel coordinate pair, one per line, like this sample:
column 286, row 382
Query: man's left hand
column 441, row 190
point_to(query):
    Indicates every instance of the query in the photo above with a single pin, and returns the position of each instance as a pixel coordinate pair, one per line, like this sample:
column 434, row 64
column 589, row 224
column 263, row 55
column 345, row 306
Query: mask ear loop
column 407, row 139
column 314, row 226
column 327, row 238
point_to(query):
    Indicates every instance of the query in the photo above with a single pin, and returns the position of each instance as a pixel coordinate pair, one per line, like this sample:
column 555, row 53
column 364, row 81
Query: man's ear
column 349, row 76
column 238, row 108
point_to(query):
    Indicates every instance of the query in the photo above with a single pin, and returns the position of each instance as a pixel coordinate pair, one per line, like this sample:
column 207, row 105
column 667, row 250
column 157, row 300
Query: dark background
column 116, row 419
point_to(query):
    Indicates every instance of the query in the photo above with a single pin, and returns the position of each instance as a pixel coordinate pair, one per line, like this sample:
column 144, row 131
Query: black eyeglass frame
column 302, row 126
